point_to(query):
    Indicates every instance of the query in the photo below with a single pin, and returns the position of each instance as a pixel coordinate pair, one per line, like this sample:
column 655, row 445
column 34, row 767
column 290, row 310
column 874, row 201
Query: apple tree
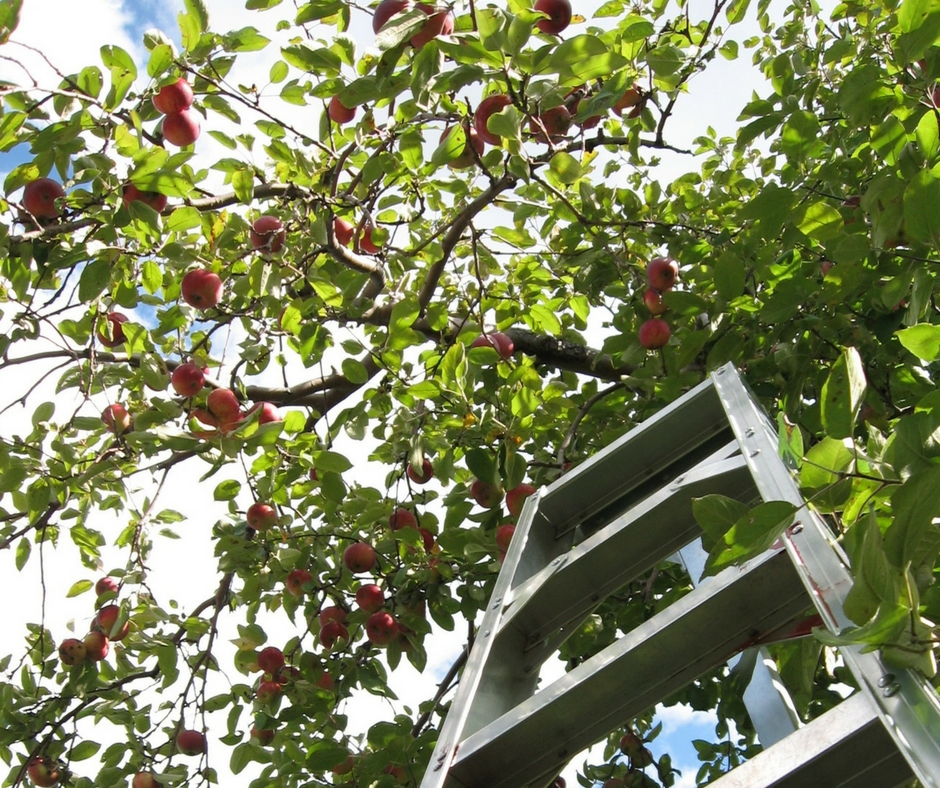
column 470, row 248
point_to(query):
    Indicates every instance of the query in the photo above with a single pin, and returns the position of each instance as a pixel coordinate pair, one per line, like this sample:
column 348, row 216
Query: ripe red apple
column 201, row 289
column 96, row 645
column 381, row 628
column 385, row 11
column 473, row 143
column 402, row 518
column 359, row 557
column 106, row 585
column 264, row 736
column 296, row 579
column 424, row 475
column 631, row 98
column 188, row 379
column 261, row 516
column 107, row 619
column 345, row 767
column 39, row 198
column 486, row 495
column 332, row 613
column 267, row 691
column 559, row 16
column 339, row 112
column 552, row 125
column 191, row 742
column 313, row 475
column 144, row 780
column 631, row 744
column 653, row 300
column 181, row 128
column 370, row 597
column 504, row 536
column 501, row 343
column 366, row 244
column 440, row 23
column 343, row 231
column 398, row 772
column 515, row 498
column 43, row 771
column 489, row 106
column 268, row 233
column 326, row 681
column 110, row 334
column 332, row 633
column 662, row 273
column 654, row 333
column 173, row 98
column 116, row 419
column 270, row 659
column 427, row 538
column 155, row 200
column 224, row 405
column 72, row 651
column 267, row 412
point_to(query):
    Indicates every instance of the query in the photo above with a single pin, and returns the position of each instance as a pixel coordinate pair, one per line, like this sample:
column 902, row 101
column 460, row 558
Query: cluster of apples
column 344, row 232
column 223, row 411
column 662, row 273
column 180, row 124
column 490, row 495
column 108, row 626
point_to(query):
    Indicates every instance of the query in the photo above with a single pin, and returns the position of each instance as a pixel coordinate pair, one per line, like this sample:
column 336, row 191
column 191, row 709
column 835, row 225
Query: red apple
column 515, row 498
column 191, row 742
column 466, row 157
column 559, row 15
column 402, row 518
column 144, row 780
column 504, row 536
column 631, row 98
column 653, row 300
column 345, row 767
column 224, row 405
column 654, row 333
column 398, row 772
column 296, row 579
column 155, row 200
column 359, row 557
column 332, row 633
column 188, row 379
column 489, row 106
column 424, row 475
column 332, row 613
column 39, row 198
column 366, row 244
column 110, row 334
column 116, row 419
column 381, row 628
column 43, row 771
column 427, row 538
column 370, row 597
column 385, row 11
column 440, row 23
column 552, row 125
column 326, row 681
column 96, row 645
column 339, row 112
column 261, row 516
column 267, row 691
column 173, row 98
column 286, row 675
column 268, row 233
column 501, row 343
column 270, row 659
column 72, row 651
column 264, row 736
column 313, row 475
column 106, row 621
column 343, row 231
column 631, row 744
column 181, row 128
column 201, row 289
column 487, row 495
column 106, row 585
column 267, row 412
column 662, row 273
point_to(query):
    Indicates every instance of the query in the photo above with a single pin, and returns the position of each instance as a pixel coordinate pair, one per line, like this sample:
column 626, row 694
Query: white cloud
column 679, row 716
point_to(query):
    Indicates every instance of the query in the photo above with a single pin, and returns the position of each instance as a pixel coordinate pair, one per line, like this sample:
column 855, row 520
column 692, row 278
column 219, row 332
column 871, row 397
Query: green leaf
column 331, row 461
column 84, row 750
column 482, row 465
column 730, row 275
column 123, row 73
column 9, row 18
column 751, row 535
column 198, row 10
column 243, row 182
column 320, row 9
column 820, row 474
column 248, row 39
column 920, row 219
column 227, row 490
column 716, row 514
column 585, row 57
column 928, row 135
column 913, row 13
column 355, row 371
column 79, row 587
column 736, row 11
column 915, row 505
column 819, row 220
column 23, row 549
column 161, row 60
column 842, row 394
column 316, row 61
column 565, row 167
column 96, row 276
column 151, row 277
column 923, row 340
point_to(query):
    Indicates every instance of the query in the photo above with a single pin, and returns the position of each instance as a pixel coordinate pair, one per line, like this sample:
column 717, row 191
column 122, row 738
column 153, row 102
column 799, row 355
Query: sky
column 71, row 32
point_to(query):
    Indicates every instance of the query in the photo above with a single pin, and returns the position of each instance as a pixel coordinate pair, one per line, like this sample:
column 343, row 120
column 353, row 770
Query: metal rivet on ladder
column 886, row 679
column 496, row 602
column 749, row 432
column 486, row 634
column 891, row 690
column 796, row 528
column 755, row 452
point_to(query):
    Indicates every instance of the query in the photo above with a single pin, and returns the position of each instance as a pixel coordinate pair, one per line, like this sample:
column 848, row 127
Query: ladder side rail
column 906, row 703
